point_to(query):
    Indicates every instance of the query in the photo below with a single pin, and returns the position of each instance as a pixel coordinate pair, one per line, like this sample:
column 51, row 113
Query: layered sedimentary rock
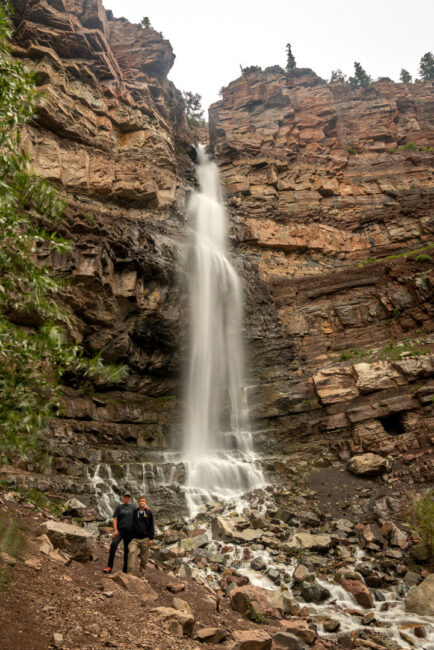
column 331, row 196
column 109, row 131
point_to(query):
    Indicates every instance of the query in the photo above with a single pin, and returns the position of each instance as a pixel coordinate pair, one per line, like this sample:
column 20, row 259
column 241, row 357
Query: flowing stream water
column 218, row 449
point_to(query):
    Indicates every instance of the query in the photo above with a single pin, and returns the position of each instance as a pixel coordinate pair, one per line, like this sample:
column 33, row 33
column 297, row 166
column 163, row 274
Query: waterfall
column 218, row 447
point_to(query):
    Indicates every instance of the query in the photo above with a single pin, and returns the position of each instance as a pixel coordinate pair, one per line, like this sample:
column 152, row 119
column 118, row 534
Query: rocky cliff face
column 331, row 196
column 109, row 130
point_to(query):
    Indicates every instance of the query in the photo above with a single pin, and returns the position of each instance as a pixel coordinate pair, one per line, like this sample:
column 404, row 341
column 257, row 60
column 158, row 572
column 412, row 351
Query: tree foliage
column 337, row 76
column 193, row 108
column 146, row 23
column 290, row 59
column 426, row 66
column 361, row 79
column 405, row 77
column 34, row 358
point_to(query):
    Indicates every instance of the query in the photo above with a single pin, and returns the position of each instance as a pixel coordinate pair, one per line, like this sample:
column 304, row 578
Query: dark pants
column 126, row 536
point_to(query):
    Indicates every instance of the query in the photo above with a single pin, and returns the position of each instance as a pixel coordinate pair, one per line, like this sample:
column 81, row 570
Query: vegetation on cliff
column 35, row 357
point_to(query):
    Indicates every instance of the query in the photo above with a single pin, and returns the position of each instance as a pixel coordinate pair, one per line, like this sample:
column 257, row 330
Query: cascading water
column 218, row 448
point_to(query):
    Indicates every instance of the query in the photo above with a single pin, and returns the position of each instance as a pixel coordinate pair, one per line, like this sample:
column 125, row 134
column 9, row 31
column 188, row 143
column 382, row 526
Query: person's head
column 142, row 502
column 127, row 497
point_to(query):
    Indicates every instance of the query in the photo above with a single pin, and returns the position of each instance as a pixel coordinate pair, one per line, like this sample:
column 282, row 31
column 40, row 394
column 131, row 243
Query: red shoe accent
column 107, row 570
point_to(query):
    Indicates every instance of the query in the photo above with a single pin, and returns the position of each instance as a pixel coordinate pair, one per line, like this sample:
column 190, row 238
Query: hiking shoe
column 107, row 570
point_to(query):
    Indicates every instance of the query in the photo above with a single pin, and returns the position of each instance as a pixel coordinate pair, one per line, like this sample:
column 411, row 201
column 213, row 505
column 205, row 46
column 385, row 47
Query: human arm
column 115, row 527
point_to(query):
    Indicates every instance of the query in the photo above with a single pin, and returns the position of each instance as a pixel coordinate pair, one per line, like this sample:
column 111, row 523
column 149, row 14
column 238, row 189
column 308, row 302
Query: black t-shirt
column 124, row 514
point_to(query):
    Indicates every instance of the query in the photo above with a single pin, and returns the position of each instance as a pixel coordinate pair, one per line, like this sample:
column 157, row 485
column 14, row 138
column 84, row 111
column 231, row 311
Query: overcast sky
column 212, row 39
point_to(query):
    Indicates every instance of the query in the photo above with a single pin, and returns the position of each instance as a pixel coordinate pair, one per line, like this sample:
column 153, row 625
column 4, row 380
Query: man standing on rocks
column 143, row 534
column 122, row 530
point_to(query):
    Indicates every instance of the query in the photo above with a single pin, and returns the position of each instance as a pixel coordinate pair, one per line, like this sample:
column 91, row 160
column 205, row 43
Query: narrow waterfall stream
column 218, row 449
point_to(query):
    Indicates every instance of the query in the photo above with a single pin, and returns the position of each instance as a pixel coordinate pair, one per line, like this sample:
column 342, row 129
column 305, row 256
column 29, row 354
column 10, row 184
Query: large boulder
column 299, row 629
column 174, row 621
column 249, row 599
column 360, row 592
column 335, row 384
column 78, row 542
column 310, row 542
column 420, row 600
column 288, row 641
column 135, row 585
column 367, row 465
column 252, row 640
column 313, row 592
column 222, row 529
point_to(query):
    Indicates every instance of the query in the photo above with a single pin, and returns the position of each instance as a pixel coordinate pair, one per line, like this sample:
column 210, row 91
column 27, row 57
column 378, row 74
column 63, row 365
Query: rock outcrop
column 330, row 192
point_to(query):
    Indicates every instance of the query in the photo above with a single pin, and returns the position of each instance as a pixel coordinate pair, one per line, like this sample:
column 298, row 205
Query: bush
column 422, row 518
column 423, row 258
column 405, row 77
column 290, row 60
column 409, row 146
column 361, row 79
column 426, row 66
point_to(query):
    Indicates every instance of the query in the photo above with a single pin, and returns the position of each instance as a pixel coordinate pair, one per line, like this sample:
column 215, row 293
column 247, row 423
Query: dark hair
column 142, row 497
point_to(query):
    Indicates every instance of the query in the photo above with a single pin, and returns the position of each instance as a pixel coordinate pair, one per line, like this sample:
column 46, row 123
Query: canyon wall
column 112, row 135
column 329, row 191
column 331, row 195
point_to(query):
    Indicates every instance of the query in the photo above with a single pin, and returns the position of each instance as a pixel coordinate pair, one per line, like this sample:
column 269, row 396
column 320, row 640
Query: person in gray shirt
column 122, row 531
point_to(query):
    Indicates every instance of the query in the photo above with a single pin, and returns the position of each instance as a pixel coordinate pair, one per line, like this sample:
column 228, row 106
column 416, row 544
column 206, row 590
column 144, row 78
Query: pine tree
column 426, row 66
column 405, row 77
column 338, row 76
column 290, row 60
column 361, row 78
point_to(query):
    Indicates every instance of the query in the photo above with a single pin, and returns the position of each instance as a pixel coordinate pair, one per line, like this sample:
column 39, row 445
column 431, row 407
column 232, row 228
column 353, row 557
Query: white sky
column 211, row 40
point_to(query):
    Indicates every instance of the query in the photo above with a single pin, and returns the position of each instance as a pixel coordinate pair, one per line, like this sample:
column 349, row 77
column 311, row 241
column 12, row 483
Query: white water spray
column 218, row 446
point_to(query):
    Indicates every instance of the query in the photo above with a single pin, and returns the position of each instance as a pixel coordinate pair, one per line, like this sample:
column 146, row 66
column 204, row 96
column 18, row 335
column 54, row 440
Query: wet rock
column 251, row 640
column 411, row 578
column 300, row 573
column 172, row 536
column 313, row 592
column 420, row 600
column 420, row 632
column 288, row 641
column 367, row 465
column 258, row 563
column 371, row 534
column 78, row 542
column 176, row 622
column 247, row 535
column 222, row 529
column 192, row 543
column 360, row 592
column 331, row 625
column 211, row 635
column 273, row 575
column 310, row 542
column 299, row 629
column 135, row 585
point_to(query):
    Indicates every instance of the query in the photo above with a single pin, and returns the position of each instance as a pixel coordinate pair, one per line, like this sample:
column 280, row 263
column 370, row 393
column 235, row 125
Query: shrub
column 408, row 146
column 423, row 258
column 337, row 76
column 422, row 518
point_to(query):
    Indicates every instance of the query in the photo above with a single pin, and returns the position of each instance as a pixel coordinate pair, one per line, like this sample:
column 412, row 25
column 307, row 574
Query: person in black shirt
column 122, row 531
column 143, row 534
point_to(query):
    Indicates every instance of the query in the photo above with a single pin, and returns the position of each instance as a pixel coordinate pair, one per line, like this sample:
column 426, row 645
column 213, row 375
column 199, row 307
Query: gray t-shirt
column 124, row 514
